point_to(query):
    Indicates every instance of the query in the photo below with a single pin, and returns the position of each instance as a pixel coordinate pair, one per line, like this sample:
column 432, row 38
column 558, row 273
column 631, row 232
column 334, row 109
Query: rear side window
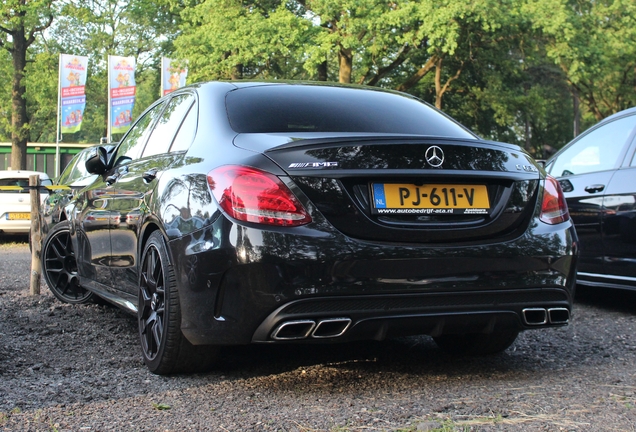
column 15, row 183
column 298, row 108
column 168, row 125
column 188, row 128
column 18, row 183
column 135, row 140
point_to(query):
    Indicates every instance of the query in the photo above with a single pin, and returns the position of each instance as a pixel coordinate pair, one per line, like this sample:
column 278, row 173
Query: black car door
column 136, row 184
column 619, row 225
column 92, row 214
column 99, row 208
column 585, row 168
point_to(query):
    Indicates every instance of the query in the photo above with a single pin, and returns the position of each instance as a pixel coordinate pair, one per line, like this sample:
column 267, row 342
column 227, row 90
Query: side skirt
column 123, row 300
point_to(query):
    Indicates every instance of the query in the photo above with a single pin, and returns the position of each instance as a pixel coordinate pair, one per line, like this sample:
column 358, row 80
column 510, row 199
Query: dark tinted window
column 20, row 183
column 186, row 132
column 76, row 169
column 296, row 108
column 133, row 143
column 168, row 124
column 14, row 183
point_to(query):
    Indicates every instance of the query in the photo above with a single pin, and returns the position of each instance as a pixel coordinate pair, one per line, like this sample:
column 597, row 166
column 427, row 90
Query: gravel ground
column 76, row 368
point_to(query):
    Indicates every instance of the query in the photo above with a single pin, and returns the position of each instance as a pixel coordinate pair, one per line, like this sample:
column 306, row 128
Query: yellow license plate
column 18, row 216
column 390, row 198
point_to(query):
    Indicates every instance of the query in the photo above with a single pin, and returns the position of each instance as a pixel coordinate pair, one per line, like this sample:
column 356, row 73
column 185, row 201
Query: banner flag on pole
column 72, row 81
column 121, row 92
column 172, row 78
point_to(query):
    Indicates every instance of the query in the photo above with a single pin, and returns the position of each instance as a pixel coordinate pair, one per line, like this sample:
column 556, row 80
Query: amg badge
column 313, row 165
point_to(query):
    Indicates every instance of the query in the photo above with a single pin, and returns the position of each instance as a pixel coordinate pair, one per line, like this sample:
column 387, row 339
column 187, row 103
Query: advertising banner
column 172, row 77
column 72, row 81
column 121, row 92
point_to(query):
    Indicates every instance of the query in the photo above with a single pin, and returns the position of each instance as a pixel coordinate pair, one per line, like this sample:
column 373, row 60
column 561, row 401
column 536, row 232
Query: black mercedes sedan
column 259, row 212
column 597, row 172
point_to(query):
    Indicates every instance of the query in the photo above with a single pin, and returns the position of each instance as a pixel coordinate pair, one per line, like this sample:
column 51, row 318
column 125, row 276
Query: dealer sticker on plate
column 391, row 198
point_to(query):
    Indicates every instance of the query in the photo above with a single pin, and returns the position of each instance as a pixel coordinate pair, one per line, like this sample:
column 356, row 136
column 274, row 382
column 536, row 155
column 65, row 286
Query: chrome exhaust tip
column 293, row 330
column 558, row 315
column 331, row 327
column 535, row 316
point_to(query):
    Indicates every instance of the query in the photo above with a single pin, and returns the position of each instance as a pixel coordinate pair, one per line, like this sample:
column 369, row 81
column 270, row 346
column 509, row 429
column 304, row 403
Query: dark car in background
column 597, row 172
column 244, row 212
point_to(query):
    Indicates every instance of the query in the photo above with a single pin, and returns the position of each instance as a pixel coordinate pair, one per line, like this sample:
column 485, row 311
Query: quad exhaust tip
column 541, row 316
column 558, row 315
column 293, row 330
column 330, row 328
column 303, row 329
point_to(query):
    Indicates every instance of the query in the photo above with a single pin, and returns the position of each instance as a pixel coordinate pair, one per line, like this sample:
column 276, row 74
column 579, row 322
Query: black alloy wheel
column 164, row 348
column 476, row 343
column 59, row 267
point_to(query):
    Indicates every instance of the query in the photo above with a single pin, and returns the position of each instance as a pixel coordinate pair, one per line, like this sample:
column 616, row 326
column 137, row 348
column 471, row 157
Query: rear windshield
column 300, row 108
column 19, row 185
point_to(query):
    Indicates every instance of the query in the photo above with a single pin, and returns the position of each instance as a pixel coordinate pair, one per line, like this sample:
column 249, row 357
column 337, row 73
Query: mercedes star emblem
column 434, row 156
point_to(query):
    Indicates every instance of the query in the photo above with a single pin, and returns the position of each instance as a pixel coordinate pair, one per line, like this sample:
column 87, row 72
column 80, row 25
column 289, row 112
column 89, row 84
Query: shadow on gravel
column 414, row 355
column 607, row 298
column 14, row 239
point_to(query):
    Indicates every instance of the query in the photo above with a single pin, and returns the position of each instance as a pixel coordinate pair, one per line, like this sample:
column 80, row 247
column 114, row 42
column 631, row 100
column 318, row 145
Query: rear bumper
column 15, row 226
column 243, row 288
column 380, row 317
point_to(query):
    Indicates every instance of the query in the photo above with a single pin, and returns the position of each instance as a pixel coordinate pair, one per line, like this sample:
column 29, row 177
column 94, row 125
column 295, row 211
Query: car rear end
column 340, row 236
column 478, row 245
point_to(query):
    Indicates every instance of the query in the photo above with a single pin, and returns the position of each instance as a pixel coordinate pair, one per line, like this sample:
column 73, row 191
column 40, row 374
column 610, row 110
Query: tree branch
column 451, row 79
column 6, row 30
column 382, row 72
column 38, row 29
column 417, row 76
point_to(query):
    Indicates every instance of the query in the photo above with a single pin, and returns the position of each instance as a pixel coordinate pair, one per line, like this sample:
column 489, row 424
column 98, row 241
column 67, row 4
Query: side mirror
column 97, row 161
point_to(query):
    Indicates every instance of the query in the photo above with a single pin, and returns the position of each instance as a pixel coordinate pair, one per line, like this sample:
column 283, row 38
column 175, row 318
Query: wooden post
column 36, row 235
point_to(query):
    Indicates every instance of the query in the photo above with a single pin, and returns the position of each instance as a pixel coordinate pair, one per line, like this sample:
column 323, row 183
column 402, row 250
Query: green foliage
column 508, row 69
column 594, row 43
column 264, row 39
column 6, row 70
column 42, row 96
column 483, row 61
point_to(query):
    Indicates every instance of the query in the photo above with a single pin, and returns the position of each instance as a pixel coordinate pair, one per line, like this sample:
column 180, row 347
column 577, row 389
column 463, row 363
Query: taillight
column 554, row 209
column 252, row 195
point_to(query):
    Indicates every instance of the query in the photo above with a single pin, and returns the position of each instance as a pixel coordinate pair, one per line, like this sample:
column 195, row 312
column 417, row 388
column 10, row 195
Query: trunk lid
column 409, row 188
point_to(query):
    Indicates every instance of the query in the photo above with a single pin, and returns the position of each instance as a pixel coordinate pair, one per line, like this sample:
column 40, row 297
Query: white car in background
column 15, row 205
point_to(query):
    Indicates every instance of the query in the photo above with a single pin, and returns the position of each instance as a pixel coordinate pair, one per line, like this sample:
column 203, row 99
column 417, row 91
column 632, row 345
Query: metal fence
column 41, row 156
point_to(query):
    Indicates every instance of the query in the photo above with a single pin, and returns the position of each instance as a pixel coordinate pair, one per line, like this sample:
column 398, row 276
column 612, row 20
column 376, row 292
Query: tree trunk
column 345, row 57
column 19, row 119
column 528, row 136
column 576, row 102
column 237, row 72
column 438, row 84
column 322, row 71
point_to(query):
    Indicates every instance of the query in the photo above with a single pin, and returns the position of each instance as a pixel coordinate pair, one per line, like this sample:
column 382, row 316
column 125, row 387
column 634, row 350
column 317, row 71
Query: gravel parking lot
column 74, row 368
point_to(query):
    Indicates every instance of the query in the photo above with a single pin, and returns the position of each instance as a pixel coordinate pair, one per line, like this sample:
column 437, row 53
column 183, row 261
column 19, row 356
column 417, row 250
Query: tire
column 164, row 348
column 59, row 267
column 476, row 343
